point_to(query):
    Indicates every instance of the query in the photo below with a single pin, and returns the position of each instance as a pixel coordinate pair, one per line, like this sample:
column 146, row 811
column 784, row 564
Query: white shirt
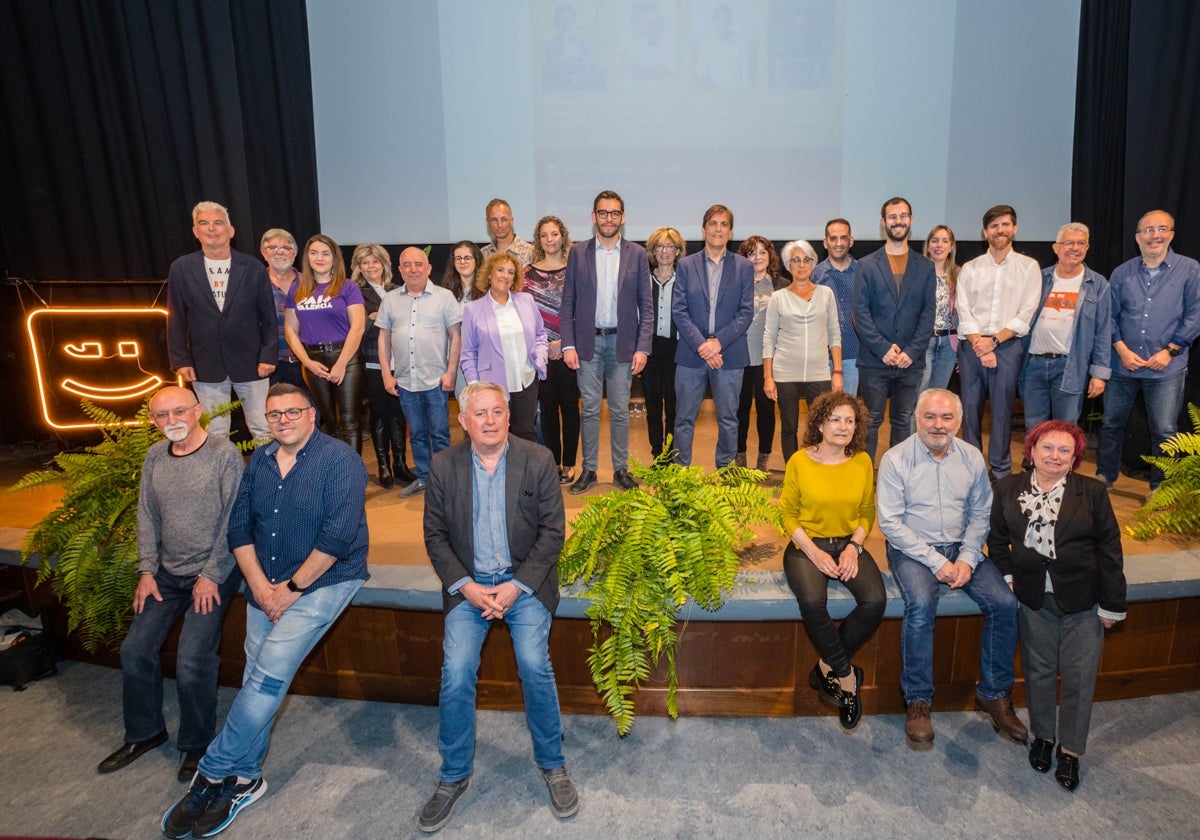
column 991, row 297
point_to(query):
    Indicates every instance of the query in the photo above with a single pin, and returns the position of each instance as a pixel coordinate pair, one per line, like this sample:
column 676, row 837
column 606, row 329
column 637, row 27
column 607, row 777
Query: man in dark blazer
column 712, row 334
column 607, row 318
column 894, row 304
column 222, row 330
column 494, row 530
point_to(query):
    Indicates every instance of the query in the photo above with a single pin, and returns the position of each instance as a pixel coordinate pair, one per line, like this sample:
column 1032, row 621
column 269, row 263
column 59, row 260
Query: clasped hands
column 491, row 601
column 897, row 357
column 843, row 569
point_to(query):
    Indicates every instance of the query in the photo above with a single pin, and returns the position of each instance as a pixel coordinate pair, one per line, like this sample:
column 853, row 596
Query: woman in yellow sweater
column 828, row 506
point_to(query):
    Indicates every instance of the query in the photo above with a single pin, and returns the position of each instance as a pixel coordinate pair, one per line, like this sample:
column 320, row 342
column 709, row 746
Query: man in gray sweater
column 189, row 483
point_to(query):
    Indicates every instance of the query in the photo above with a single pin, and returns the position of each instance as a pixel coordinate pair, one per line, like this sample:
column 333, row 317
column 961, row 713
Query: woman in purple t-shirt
column 324, row 320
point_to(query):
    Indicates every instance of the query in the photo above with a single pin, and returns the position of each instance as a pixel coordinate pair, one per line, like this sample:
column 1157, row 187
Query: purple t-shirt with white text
column 322, row 318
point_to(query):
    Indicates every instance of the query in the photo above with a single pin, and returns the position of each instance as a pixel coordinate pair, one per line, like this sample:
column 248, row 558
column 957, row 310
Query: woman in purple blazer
column 504, row 340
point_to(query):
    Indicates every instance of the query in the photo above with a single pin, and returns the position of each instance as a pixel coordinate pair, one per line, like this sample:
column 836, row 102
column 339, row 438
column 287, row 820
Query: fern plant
column 87, row 546
column 644, row 552
column 1174, row 507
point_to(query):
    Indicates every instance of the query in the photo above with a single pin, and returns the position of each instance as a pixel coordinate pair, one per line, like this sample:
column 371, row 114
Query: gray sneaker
column 564, row 799
column 739, row 460
column 440, row 807
column 413, row 489
column 764, row 461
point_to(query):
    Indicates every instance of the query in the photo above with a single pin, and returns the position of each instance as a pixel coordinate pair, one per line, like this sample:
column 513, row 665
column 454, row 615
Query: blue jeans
column 253, row 395
column 466, row 628
column 273, row 654
column 689, row 394
column 196, row 662
column 428, row 425
column 921, row 591
column 939, row 363
column 1164, row 399
column 1042, row 395
column 603, row 368
column 901, row 385
column 850, row 376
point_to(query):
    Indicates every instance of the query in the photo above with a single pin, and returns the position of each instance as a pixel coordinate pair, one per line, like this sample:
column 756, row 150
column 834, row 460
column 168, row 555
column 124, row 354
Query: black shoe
column 189, row 762
column 851, row 712
column 566, row 475
column 587, row 479
column 181, row 817
column 1041, row 752
column 231, row 798
column 128, row 753
column 564, row 799
column 440, row 807
column 826, row 686
column 386, row 480
column 1067, row 772
column 624, row 480
column 403, row 474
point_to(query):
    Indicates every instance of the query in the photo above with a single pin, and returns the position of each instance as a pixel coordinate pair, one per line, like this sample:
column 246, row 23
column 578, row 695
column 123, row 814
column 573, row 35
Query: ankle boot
column 379, row 439
column 398, row 436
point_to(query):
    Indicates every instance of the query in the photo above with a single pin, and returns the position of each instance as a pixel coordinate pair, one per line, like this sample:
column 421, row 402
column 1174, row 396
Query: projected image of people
column 799, row 47
column 725, row 56
column 570, row 59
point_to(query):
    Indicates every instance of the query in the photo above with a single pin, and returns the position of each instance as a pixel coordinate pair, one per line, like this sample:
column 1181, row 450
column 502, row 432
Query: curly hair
column 820, row 410
column 538, row 253
column 751, row 245
column 665, row 236
column 483, row 277
column 1034, row 436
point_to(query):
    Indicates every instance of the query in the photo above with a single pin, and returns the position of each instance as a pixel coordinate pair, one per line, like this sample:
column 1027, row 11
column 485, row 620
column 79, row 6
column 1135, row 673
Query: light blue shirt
column 608, row 266
column 921, row 502
column 715, row 268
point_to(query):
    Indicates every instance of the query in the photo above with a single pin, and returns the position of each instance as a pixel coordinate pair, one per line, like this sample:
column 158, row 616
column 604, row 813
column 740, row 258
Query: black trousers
column 752, row 392
column 522, row 412
column 658, row 387
column 790, row 394
column 558, row 396
column 340, row 405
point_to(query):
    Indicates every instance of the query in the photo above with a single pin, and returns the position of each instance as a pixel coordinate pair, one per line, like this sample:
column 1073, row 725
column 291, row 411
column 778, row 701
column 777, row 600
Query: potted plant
column 1174, row 507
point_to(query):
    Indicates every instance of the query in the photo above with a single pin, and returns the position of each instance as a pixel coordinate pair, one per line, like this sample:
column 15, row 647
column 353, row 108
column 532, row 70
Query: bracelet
column 837, row 373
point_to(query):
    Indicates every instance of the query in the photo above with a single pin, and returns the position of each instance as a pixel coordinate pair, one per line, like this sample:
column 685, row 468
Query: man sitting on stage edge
column 189, row 482
column 491, row 571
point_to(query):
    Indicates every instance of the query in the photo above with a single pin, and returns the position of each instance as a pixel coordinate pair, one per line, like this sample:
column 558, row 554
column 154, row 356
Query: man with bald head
column 420, row 331
column 1155, row 319
column 189, row 483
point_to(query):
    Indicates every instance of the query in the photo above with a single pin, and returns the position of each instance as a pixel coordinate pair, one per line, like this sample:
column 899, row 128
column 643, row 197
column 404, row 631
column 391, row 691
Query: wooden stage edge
column 726, row 668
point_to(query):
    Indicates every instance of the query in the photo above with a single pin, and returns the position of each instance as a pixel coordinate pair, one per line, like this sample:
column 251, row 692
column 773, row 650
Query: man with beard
column 278, row 249
column 501, row 237
column 998, row 296
column 893, row 313
column 189, row 483
column 838, row 271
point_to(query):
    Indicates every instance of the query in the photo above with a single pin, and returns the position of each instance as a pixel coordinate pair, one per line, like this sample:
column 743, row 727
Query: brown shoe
column 1004, row 719
column 917, row 725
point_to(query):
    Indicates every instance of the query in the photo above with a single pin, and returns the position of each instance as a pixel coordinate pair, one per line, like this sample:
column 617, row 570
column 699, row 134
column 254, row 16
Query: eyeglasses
column 176, row 413
column 666, row 246
column 609, row 214
column 289, row 413
column 800, row 260
column 280, row 249
column 465, row 258
column 898, row 217
column 1152, row 229
column 1073, row 243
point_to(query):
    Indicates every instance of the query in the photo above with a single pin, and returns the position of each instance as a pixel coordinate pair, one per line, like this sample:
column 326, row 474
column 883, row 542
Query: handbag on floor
column 26, row 654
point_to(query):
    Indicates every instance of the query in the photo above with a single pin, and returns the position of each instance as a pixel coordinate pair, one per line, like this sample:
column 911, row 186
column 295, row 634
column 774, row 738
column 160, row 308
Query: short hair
column 717, row 209
column 838, row 222
column 896, row 199
column 474, row 389
column 1142, row 217
column 371, row 250
column 276, row 233
column 930, row 393
column 449, row 278
column 538, row 253
column 609, row 195
column 205, row 206
column 951, row 258
column 1073, row 227
column 820, row 410
column 1046, row 427
column 282, row 389
column 337, row 275
column 496, row 202
column 785, row 254
column 751, row 245
column 483, row 277
column 665, row 235
column 996, row 212
column 195, row 400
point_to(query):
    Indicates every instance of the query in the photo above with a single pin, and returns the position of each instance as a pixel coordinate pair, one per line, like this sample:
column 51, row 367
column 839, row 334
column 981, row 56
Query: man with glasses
column 1155, row 319
column 997, row 298
column 299, row 533
column 838, row 271
column 189, row 482
column 607, row 319
column 222, row 329
column 278, row 248
column 502, row 237
column 1069, row 343
column 894, row 305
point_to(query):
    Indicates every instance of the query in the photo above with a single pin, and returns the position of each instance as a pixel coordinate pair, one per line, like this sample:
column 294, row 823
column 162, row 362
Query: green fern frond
column 1174, row 507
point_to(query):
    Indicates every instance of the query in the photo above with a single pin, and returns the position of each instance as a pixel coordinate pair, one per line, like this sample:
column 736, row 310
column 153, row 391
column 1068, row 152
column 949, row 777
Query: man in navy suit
column 221, row 323
column 607, row 320
column 893, row 315
column 713, row 305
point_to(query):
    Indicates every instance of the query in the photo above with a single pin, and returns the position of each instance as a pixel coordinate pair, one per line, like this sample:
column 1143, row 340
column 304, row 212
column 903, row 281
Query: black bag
column 26, row 654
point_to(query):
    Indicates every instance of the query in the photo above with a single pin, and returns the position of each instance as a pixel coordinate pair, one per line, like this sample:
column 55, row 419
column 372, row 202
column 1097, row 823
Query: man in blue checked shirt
column 299, row 534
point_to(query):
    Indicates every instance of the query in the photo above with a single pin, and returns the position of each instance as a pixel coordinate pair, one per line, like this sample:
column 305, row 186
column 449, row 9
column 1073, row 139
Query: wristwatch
column 1172, row 350
column 858, row 547
column 292, row 587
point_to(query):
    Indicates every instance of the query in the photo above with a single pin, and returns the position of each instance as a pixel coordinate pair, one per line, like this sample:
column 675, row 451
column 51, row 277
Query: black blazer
column 1087, row 540
column 533, row 512
column 883, row 318
column 221, row 343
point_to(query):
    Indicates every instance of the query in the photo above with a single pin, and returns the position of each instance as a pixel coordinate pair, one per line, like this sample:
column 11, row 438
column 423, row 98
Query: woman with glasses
column 664, row 249
column 324, row 322
column 800, row 336
column 558, row 394
column 761, row 253
column 459, row 274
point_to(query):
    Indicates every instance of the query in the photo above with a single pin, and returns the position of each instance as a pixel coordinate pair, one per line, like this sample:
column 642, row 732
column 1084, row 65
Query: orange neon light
column 51, row 384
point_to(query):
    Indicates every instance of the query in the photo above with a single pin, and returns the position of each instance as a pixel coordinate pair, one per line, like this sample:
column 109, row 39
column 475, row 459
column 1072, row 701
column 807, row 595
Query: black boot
column 398, row 432
column 379, row 438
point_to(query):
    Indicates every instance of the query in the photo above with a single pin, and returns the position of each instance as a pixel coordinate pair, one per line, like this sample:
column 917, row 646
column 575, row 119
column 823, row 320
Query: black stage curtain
column 1137, row 123
column 117, row 117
